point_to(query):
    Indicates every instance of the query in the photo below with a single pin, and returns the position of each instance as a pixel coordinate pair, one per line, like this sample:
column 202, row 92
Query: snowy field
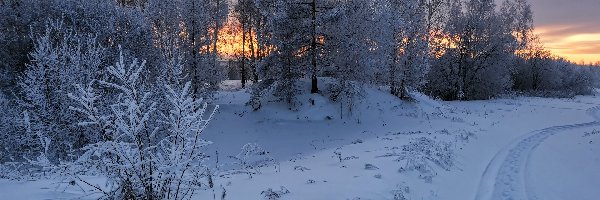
column 521, row 148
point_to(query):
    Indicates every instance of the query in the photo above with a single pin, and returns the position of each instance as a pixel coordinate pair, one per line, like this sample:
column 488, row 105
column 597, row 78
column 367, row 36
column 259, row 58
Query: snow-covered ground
column 522, row 148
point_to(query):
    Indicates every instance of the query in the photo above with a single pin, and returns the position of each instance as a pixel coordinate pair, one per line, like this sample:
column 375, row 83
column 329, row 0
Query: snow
column 579, row 175
column 520, row 148
column 54, row 188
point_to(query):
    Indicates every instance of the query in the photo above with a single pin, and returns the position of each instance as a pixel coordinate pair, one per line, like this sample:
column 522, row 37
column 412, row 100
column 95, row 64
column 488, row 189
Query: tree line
column 448, row 49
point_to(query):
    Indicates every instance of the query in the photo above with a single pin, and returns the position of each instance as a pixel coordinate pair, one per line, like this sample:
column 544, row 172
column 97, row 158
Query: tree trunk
column 194, row 53
column 243, row 66
column 216, row 36
column 403, row 82
column 313, row 46
column 253, row 56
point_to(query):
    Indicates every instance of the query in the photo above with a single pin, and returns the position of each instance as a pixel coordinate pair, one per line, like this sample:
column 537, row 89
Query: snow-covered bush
column 251, row 158
column 422, row 154
column 401, row 192
column 16, row 143
column 140, row 157
column 340, row 158
column 5, row 127
column 61, row 57
column 540, row 74
column 593, row 132
column 271, row 194
column 41, row 163
column 258, row 91
column 440, row 153
column 348, row 94
column 25, row 152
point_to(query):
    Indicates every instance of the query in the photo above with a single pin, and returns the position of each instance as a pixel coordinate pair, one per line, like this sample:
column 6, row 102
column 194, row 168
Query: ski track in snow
column 504, row 177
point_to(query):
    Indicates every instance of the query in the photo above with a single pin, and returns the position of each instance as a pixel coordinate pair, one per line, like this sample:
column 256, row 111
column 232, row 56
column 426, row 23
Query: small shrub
column 371, row 167
column 400, row 192
column 251, row 158
column 271, row 194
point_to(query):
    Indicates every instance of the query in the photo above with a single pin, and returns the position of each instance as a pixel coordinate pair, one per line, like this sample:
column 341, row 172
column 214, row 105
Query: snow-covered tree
column 111, row 24
column 477, row 59
column 191, row 26
column 350, row 49
column 518, row 17
column 295, row 33
column 283, row 66
column 411, row 55
column 246, row 13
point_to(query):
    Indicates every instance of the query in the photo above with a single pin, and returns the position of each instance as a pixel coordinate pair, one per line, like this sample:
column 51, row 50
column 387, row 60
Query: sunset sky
column 569, row 28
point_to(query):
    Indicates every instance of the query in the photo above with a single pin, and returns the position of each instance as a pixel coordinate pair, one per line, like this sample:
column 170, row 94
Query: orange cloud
column 571, row 42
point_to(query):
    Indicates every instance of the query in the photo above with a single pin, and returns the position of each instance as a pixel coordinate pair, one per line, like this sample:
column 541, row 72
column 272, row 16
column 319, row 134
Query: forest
column 124, row 89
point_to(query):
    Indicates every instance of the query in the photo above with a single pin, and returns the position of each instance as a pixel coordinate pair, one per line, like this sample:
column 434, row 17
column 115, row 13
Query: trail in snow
column 504, row 177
